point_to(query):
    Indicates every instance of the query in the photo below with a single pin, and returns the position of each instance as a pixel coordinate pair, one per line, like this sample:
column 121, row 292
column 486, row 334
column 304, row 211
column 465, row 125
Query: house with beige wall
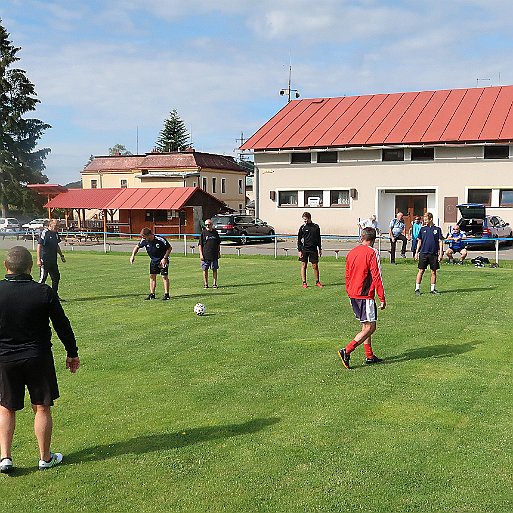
column 344, row 159
column 218, row 175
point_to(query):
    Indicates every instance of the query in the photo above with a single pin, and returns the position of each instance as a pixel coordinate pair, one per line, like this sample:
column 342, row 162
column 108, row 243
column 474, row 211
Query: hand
column 62, row 258
column 163, row 262
column 39, row 262
column 73, row 364
column 300, row 254
column 382, row 305
column 416, row 257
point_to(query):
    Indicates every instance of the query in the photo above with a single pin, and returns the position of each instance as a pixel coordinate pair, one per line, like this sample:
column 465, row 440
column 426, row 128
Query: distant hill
column 74, row 185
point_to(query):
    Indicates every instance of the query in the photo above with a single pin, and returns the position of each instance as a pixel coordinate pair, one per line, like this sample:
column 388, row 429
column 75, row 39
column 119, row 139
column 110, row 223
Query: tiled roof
column 176, row 160
column 427, row 117
column 167, row 198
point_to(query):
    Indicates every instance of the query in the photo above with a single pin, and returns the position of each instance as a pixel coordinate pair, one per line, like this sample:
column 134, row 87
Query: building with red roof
column 218, row 175
column 346, row 158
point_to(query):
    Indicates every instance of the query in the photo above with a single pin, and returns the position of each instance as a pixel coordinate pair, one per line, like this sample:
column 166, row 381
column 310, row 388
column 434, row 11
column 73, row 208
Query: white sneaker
column 55, row 459
column 5, row 465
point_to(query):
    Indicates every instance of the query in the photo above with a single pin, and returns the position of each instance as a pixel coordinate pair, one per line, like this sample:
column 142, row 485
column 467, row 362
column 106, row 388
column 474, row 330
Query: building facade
column 215, row 174
column 344, row 159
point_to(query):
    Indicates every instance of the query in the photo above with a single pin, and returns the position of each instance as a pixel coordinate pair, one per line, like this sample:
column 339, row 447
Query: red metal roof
column 169, row 198
column 426, row 117
column 47, row 189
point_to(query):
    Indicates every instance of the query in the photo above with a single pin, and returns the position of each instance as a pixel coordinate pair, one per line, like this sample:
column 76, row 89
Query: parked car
column 478, row 225
column 9, row 224
column 241, row 228
column 35, row 224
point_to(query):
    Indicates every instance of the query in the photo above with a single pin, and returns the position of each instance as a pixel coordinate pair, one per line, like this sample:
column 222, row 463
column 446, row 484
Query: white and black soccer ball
column 199, row 309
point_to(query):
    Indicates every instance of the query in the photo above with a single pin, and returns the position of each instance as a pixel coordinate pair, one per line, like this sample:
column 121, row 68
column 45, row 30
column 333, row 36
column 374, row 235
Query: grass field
column 249, row 409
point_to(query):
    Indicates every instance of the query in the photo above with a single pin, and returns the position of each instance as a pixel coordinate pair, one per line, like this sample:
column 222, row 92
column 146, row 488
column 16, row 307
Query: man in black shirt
column 210, row 252
column 309, row 248
column 47, row 250
column 26, row 360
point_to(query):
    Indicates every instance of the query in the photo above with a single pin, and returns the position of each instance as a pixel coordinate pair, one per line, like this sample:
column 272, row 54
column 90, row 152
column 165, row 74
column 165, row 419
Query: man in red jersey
column 363, row 280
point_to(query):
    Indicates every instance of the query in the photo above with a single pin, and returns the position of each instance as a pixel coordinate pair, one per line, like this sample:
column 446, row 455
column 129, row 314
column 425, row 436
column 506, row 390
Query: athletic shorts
column 210, row 264
column 364, row 309
column 430, row 259
column 155, row 268
column 37, row 374
column 313, row 256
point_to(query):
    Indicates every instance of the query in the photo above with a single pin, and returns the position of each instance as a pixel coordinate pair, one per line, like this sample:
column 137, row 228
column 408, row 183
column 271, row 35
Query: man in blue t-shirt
column 158, row 249
column 396, row 232
column 456, row 245
column 430, row 251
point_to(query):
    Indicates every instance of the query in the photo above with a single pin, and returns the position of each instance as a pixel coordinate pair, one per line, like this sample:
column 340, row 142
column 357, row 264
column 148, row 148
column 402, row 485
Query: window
column 204, row 183
column 94, row 184
column 389, row 155
column 144, row 171
column 300, row 158
column 313, row 198
column 124, row 184
column 483, row 196
column 287, row 198
column 506, row 198
column 241, row 187
column 339, row 198
column 423, row 154
column 496, row 152
column 214, row 181
column 327, row 157
column 223, row 185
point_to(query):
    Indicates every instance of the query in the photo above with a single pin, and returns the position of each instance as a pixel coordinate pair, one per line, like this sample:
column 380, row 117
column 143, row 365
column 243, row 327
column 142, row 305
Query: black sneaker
column 150, row 296
column 374, row 359
column 434, row 291
column 418, row 292
column 344, row 357
column 165, row 297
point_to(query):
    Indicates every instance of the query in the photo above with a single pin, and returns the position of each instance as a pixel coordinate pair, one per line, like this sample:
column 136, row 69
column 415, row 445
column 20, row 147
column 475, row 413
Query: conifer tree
column 174, row 135
column 20, row 162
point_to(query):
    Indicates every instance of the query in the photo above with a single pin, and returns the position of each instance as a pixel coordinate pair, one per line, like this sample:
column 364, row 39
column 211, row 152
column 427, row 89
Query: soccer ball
column 200, row 309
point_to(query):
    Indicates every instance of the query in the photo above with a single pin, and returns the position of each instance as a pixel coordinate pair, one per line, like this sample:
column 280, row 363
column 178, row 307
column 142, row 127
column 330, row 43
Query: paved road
column 285, row 246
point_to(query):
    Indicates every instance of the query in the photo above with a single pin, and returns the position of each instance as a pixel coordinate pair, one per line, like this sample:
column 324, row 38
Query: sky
column 109, row 72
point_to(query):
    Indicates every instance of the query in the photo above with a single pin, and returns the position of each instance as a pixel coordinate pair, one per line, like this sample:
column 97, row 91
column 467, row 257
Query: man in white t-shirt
column 369, row 223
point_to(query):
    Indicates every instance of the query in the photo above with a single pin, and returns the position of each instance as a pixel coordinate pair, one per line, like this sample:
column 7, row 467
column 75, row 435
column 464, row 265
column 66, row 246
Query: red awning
column 84, row 198
column 47, row 189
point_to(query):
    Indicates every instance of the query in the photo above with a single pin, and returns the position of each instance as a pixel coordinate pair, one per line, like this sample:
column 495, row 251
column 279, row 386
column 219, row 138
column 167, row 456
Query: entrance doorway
column 410, row 205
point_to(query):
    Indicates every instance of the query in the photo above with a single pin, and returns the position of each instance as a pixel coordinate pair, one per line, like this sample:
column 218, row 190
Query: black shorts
column 426, row 259
column 313, row 256
column 37, row 374
column 155, row 268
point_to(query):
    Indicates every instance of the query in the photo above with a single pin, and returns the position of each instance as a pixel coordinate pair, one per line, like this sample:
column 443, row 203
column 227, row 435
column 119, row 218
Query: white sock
column 433, row 286
column 417, row 286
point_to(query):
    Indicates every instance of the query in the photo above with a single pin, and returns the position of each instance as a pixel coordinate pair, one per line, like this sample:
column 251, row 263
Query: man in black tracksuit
column 309, row 248
column 26, row 360
column 47, row 250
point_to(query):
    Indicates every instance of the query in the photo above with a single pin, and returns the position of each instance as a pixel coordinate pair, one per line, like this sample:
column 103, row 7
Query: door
column 410, row 205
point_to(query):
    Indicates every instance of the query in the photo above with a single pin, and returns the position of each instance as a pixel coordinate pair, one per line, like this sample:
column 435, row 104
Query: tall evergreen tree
column 174, row 135
column 20, row 162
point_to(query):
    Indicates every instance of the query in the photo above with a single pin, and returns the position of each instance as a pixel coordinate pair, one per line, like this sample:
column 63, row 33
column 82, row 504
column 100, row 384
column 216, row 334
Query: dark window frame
column 422, row 154
column 291, row 193
column 392, row 154
column 479, row 199
column 501, row 201
column 496, row 152
column 340, row 205
column 327, row 157
column 301, row 158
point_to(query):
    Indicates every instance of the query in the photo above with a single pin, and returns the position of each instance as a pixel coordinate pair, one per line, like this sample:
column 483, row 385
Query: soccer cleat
column 319, row 284
column 305, row 286
column 434, row 291
column 214, row 286
column 150, row 296
column 403, row 255
column 165, row 297
column 344, row 357
column 418, row 292
column 205, row 286
column 5, row 465
column 374, row 359
column 55, row 459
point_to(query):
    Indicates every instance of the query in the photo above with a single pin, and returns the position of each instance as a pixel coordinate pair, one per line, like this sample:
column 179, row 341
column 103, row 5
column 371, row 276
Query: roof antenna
column 287, row 91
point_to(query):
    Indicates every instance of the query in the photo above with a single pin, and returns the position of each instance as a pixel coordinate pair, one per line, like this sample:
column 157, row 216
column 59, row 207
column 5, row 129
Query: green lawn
column 249, row 409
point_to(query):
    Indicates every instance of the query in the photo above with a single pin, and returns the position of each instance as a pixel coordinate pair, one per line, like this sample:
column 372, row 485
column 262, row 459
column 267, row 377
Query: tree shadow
column 467, row 289
column 438, row 351
column 163, row 441
column 99, row 298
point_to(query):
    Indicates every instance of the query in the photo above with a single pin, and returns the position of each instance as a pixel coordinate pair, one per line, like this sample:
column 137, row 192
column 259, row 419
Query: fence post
column 185, row 244
column 275, row 246
column 105, row 242
column 497, row 251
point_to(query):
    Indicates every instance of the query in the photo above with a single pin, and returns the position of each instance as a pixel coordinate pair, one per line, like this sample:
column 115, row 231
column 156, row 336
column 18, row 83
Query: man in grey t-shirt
column 396, row 233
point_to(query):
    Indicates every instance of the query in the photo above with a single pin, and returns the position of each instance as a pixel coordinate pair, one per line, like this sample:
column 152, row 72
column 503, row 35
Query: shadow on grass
column 164, row 441
column 438, row 351
column 467, row 289
column 99, row 298
column 259, row 284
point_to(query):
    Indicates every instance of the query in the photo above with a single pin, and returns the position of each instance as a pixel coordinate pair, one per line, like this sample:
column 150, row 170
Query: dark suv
column 241, row 228
column 478, row 225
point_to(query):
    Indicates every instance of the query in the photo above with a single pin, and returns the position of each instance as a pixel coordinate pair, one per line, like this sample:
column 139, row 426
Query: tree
column 174, row 135
column 20, row 162
column 119, row 149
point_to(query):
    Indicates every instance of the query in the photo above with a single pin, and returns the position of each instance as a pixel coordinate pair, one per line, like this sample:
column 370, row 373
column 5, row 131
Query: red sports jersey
column 363, row 274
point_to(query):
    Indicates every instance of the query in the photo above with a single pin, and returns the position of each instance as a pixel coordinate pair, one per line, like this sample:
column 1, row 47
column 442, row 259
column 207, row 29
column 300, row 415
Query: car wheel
column 243, row 238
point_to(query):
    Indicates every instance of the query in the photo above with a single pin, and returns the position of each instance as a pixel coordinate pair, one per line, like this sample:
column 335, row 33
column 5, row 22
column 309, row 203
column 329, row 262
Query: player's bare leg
column 303, row 271
column 165, row 282
column 153, row 283
column 43, row 429
column 214, row 277
column 7, row 425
